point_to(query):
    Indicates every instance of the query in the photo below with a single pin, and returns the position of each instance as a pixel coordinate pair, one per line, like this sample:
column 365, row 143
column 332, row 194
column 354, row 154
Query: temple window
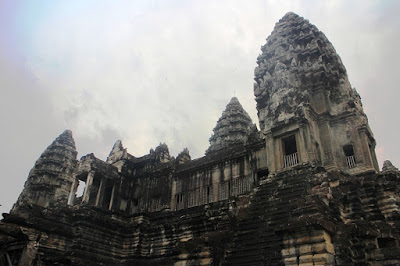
column 107, row 196
column 350, row 158
column 77, row 191
column 93, row 190
column 179, row 201
column 80, row 189
column 290, row 151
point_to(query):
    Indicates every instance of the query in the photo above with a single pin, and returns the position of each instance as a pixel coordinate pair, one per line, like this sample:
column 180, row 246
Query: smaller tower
column 117, row 153
column 49, row 181
column 183, row 156
column 162, row 153
column 234, row 127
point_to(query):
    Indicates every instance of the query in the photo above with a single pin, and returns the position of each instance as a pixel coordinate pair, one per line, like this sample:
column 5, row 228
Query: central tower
column 306, row 107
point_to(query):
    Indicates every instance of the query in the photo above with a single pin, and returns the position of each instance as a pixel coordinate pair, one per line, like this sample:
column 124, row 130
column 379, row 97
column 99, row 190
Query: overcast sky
column 148, row 72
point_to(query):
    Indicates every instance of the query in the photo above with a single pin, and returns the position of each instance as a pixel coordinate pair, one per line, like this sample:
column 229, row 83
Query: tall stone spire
column 302, row 85
column 49, row 181
column 296, row 61
column 233, row 127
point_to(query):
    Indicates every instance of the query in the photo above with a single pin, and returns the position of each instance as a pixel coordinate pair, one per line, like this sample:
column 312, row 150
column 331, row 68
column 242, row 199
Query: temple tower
column 306, row 106
column 233, row 127
column 49, row 181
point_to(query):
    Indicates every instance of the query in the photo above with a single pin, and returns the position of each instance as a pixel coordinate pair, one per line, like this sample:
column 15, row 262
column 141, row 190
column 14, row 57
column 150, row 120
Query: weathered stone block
column 323, row 259
column 302, row 239
column 288, row 252
column 323, row 247
column 289, row 241
column 305, row 249
column 306, row 259
column 291, row 261
column 317, row 236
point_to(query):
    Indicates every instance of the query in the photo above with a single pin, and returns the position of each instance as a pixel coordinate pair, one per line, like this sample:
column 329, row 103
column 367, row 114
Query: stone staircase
column 273, row 205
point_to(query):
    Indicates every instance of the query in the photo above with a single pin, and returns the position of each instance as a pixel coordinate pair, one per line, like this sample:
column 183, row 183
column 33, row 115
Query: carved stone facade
column 304, row 190
column 302, row 92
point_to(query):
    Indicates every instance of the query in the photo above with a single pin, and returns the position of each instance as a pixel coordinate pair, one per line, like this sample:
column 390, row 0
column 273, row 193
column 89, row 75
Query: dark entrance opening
column 348, row 150
column 290, row 151
column 107, row 195
column 289, row 145
column 263, row 173
column 350, row 158
column 387, row 242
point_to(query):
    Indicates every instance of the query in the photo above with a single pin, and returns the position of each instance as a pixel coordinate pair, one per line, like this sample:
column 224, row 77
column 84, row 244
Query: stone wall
column 302, row 216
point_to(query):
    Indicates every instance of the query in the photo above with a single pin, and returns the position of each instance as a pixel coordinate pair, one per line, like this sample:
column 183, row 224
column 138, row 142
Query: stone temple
column 305, row 189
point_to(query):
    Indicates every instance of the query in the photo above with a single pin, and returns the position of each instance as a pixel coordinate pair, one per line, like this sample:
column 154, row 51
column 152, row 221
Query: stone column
column 278, row 153
column 374, row 159
column 328, row 160
column 271, row 153
column 72, row 193
column 89, row 182
column 32, row 246
column 302, row 148
column 246, row 168
column 215, row 177
column 230, row 181
column 308, row 145
column 173, row 196
column 365, row 149
column 100, row 192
